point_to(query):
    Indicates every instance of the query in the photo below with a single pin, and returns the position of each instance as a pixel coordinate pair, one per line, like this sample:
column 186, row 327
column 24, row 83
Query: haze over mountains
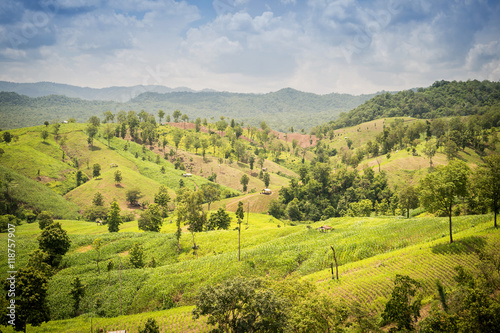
column 281, row 109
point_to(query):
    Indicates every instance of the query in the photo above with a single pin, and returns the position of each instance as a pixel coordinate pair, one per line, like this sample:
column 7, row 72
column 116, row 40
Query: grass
column 37, row 196
column 267, row 250
column 105, row 184
column 390, row 246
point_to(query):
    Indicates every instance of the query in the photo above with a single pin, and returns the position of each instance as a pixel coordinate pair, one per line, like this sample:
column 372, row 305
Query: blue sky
column 318, row 46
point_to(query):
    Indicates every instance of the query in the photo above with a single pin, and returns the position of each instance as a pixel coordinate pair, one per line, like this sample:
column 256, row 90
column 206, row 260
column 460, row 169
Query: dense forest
column 282, row 110
column 442, row 99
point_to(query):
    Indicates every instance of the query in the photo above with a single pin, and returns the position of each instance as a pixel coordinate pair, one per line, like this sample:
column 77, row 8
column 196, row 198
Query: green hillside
column 281, row 110
column 370, row 251
column 442, row 99
column 346, row 189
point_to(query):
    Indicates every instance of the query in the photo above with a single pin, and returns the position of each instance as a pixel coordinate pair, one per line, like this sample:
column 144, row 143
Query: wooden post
column 336, row 265
column 239, row 239
column 121, row 312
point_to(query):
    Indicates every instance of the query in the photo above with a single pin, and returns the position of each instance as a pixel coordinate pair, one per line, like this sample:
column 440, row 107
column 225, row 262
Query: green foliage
column 442, row 99
column 403, row 308
column 96, row 170
column 408, row 199
column 98, row 199
column 38, row 196
column 114, row 218
column 322, row 188
column 162, row 198
column 487, row 180
column 55, row 241
column 266, row 179
column 244, row 181
column 77, row 292
column 30, row 294
column 440, row 189
column 151, row 219
column 95, row 213
column 276, row 208
column 133, row 196
column 151, row 326
column 293, row 211
column 211, row 193
column 118, row 176
column 136, row 255
column 240, row 214
column 44, row 219
column 40, row 261
column 240, row 305
column 218, row 220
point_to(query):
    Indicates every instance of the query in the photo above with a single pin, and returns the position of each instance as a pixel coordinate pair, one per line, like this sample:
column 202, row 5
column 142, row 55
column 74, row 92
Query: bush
column 95, row 213
column 127, row 217
column 44, row 219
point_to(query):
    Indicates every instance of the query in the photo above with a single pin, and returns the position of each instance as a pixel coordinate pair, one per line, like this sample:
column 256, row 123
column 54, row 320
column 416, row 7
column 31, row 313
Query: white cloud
column 319, row 46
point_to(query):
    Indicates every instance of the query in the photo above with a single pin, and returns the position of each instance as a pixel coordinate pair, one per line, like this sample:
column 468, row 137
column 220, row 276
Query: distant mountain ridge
column 280, row 110
column 115, row 94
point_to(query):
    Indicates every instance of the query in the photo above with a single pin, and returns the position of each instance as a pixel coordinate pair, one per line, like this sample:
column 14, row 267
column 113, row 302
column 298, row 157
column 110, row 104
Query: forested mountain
column 442, row 99
column 281, row 110
column 116, row 94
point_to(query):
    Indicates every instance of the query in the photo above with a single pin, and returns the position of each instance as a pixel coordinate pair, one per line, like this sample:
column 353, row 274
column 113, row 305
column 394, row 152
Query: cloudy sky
column 259, row 46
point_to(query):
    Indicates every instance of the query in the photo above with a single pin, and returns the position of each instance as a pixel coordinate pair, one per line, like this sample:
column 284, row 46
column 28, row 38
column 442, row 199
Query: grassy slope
column 105, row 184
column 371, row 252
column 35, row 195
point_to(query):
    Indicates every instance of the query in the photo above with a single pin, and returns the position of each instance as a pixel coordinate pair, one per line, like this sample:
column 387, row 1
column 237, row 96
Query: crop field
column 370, row 251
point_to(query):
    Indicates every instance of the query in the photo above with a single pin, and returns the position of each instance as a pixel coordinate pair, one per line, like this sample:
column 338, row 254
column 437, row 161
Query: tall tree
column 151, row 219
column 44, row 134
column 190, row 211
column 109, row 117
column 118, row 177
column 136, row 255
column 218, row 220
column 98, row 199
column 240, row 305
column 96, row 245
column 408, row 199
column 430, row 150
column 177, row 114
column 31, row 305
column 109, row 133
column 161, row 114
column 244, row 181
column 439, row 190
column 55, row 241
column 267, row 179
column 404, row 306
column 211, row 193
column 44, row 219
column 162, row 198
column 487, row 180
column 96, row 170
column 114, row 218
column 77, row 292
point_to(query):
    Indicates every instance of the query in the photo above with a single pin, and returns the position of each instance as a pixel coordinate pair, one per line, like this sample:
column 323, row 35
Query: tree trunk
column 336, row 265
column 239, row 239
column 451, row 234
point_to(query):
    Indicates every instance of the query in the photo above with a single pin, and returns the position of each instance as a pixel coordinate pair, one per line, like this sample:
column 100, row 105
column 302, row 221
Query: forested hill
column 442, row 99
column 280, row 110
column 116, row 94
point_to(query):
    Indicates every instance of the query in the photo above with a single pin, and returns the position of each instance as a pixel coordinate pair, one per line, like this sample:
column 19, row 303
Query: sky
column 250, row 46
